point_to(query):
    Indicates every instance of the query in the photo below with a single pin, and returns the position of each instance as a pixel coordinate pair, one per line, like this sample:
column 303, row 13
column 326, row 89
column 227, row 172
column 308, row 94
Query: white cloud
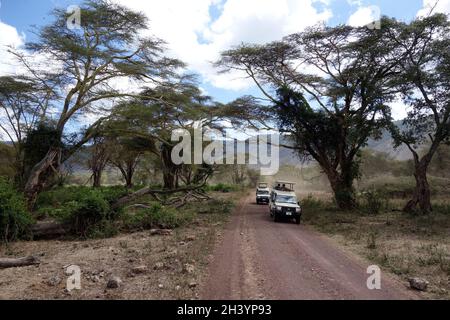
column 399, row 109
column 194, row 37
column 435, row 6
column 9, row 38
column 197, row 36
column 364, row 15
column 355, row 2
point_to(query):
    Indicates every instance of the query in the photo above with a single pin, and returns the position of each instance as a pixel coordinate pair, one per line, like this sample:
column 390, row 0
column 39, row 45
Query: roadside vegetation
column 406, row 244
column 115, row 177
column 151, row 263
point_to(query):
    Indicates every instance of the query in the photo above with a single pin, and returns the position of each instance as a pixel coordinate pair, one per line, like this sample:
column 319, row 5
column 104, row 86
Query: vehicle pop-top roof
column 263, row 185
column 284, row 186
column 284, row 182
column 285, row 193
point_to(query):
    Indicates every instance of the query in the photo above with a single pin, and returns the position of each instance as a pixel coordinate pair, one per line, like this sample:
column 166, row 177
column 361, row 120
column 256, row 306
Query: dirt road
column 260, row 259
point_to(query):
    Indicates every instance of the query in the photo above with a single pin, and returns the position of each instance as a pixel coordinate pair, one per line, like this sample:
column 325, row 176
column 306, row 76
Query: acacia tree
column 326, row 87
column 100, row 153
column 154, row 121
column 424, row 82
column 126, row 156
column 23, row 106
column 108, row 46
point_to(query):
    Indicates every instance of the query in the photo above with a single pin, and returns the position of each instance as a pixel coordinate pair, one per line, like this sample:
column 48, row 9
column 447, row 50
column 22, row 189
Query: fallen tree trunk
column 18, row 262
column 154, row 193
column 48, row 230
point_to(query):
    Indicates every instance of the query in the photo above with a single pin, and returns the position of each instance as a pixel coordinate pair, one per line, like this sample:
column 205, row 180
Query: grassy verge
column 408, row 246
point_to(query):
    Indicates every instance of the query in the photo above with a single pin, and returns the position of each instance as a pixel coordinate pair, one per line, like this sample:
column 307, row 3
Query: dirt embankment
column 149, row 266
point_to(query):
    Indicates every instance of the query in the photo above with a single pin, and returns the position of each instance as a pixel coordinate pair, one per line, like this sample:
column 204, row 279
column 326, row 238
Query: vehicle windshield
column 286, row 199
column 263, row 192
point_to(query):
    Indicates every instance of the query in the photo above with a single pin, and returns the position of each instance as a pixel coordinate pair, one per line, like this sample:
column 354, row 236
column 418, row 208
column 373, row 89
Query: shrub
column 373, row 201
column 441, row 209
column 112, row 194
column 214, row 206
column 61, row 196
column 88, row 212
column 156, row 215
column 311, row 202
column 104, row 229
column 15, row 221
column 222, row 187
column 372, row 240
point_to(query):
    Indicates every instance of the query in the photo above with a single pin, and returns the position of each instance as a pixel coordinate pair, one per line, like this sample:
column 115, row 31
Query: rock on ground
column 418, row 284
column 114, row 283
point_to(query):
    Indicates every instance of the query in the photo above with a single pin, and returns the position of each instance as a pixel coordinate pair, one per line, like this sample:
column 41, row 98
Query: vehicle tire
column 276, row 218
column 297, row 220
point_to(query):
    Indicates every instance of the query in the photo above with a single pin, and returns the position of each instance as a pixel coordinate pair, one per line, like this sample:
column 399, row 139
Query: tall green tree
column 327, row 87
column 108, row 46
column 24, row 103
column 424, row 83
column 180, row 106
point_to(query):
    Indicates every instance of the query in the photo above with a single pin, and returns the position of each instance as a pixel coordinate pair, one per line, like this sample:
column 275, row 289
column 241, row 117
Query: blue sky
column 197, row 30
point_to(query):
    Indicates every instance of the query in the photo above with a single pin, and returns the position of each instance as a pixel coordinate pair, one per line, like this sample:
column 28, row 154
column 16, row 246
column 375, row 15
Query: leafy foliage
column 87, row 213
column 156, row 216
column 349, row 91
column 15, row 221
column 7, row 161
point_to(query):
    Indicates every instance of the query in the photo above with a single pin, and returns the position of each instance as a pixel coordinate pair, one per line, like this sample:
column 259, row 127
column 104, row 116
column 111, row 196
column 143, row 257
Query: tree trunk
column 97, row 178
column 169, row 168
column 41, row 173
column 129, row 181
column 48, row 230
column 342, row 185
column 130, row 173
column 422, row 193
column 20, row 262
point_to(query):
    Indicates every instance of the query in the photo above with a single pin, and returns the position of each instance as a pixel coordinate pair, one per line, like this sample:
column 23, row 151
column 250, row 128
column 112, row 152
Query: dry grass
column 408, row 246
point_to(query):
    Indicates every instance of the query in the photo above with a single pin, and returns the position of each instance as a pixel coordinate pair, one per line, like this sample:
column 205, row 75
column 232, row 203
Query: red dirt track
column 260, row 259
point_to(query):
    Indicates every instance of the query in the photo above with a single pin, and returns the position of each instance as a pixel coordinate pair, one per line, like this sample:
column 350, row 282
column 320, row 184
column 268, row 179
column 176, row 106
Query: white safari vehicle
column 262, row 193
column 283, row 202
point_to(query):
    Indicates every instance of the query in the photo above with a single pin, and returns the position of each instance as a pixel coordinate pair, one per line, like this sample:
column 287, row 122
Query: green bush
column 373, row 201
column 221, row 187
column 61, row 196
column 156, row 215
column 213, row 206
column 15, row 221
column 443, row 209
column 87, row 213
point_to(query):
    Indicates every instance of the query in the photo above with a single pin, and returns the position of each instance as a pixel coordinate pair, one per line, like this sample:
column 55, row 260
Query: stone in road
column 260, row 259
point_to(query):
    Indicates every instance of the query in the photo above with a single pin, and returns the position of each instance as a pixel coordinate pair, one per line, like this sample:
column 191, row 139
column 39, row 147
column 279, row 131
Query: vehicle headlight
column 279, row 209
column 298, row 210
